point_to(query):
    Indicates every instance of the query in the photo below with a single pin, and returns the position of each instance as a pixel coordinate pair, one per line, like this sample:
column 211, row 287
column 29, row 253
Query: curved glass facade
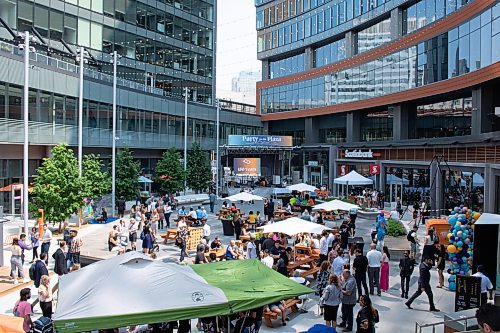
column 329, row 53
column 461, row 50
column 283, row 67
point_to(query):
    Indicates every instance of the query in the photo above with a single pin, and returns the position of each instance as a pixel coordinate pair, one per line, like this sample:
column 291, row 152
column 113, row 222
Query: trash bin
column 227, row 227
column 360, row 243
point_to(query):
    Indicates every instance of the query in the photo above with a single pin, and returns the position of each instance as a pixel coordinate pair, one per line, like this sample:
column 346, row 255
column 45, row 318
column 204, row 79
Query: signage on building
column 343, row 170
column 249, row 166
column 259, row 140
column 313, row 163
column 374, row 169
column 468, row 292
column 358, row 153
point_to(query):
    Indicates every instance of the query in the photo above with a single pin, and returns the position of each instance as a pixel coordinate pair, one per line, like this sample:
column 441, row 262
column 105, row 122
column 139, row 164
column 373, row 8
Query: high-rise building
column 400, row 91
column 164, row 47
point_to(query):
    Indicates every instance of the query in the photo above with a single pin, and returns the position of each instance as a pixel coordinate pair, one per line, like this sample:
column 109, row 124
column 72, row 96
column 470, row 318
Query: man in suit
column 40, row 269
column 60, row 265
column 424, row 284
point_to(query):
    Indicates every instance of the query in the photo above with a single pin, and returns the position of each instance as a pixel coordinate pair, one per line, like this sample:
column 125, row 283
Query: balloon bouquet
column 461, row 242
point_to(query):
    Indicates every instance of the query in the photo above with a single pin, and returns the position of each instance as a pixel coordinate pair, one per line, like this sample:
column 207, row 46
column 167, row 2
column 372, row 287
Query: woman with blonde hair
column 155, row 217
column 16, row 264
column 45, row 296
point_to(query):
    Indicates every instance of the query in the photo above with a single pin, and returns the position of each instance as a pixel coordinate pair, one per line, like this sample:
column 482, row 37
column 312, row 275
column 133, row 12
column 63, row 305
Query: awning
column 353, row 178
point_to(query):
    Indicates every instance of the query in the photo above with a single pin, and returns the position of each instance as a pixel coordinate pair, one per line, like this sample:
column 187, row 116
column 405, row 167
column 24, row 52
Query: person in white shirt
column 132, row 234
column 251, row 248
column 315, row 242
column 267, row 259
column 329, row 240
column 374, row 261
column 338, row 264
column 486, row 285
column 206, row 231
column 323, row 247
column 46, row 239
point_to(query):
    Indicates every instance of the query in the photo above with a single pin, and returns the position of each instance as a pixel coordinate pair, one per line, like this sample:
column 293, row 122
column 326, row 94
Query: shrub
column 395, row 228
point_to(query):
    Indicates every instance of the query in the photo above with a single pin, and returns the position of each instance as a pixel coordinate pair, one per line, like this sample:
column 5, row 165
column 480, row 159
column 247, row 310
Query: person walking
column 424, row 284
column 367, row 316
column 486, row 285
column 384, row 270
column 212, row 198
column 348, row 300
column 331, row 299
column 182, row 235
column 406, row 266
column 374, row 261
column 46, row 239
column 360, row 265
column 45, row 296
column 22, row 309
column 35, row 242
column 16, row 265
column 441, row 264
column 488, row 318
column 60, row 266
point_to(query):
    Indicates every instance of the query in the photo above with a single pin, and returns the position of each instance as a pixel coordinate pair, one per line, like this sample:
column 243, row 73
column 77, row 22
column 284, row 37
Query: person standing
column 168, row 212
column 251, row 248
column 22, row 244
column 429, row 248
column 120, row 205
column 22, row 309
column 424, row 284
column 132, row 234
column 237, row 225
column 182, row 236
column 367, row 316
column 323, row 247
column 41, row 269
column 212, row 198
column 338, row 263
column 441, row 264
column 60, row 266
column 75, row 248
column 206, row 231
column 331, row 299
column 412, row 238
column 348, row 301
column 35, row 242
column 45, row 296
column 161, row 215
column 486, row 285
column 374, row 261
column 360, row 265
column 16, row 265
column 147, row 242
column 406, row 266
column 384, row 270
column 488, row 318
column 46, row 239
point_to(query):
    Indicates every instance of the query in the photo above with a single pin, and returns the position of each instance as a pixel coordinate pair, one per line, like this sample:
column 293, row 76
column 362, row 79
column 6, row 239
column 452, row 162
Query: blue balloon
column 452, row 286
column 452, row 220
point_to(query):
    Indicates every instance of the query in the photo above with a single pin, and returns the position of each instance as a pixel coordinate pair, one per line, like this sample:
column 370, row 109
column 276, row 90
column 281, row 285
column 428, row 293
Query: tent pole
column 228, row 324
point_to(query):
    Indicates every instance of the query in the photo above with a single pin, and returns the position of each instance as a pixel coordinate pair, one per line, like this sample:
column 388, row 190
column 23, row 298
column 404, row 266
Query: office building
column 401, row 91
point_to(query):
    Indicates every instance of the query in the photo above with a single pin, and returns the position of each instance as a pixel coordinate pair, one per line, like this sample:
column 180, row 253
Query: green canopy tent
column 133, row 289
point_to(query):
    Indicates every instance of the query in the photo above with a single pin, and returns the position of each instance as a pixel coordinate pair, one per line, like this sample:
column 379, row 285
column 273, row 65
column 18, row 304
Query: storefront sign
column 468, row 293
column 374, row 169
column 358, row 153
column 313, row 163
column 249, row 166
column 259, row 140
column 343, row 170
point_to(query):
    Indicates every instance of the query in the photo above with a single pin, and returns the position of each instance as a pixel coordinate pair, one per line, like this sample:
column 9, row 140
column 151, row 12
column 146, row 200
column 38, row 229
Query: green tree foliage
column 199, row 173
column 127, row 175
column 169, row 172
column 96, row 181
column 57, row 186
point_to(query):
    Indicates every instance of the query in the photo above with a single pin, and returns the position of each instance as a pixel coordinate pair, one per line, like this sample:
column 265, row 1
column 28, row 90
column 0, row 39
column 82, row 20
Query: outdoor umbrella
column 302, row 187
column 294, row 226
column 244, row 196
column 335, row 205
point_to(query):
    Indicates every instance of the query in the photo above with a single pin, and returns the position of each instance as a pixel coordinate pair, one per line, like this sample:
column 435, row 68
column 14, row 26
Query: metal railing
column 466, row 321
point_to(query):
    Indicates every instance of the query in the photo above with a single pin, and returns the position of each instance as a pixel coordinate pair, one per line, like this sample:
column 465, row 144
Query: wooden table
column 313, row 253
column 293, row 265
column 220, row 253
column 245, row 238
column 281, row 214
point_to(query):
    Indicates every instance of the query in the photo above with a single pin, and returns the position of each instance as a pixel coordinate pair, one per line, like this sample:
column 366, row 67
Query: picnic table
column 219, row 253
column 293, row 265
column 313, row 253
column 282, row 214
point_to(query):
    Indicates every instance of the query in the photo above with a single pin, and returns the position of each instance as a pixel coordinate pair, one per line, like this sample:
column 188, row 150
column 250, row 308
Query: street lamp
column 113, row 138
column 82, row 59
column 217, row 102
column 186, row 92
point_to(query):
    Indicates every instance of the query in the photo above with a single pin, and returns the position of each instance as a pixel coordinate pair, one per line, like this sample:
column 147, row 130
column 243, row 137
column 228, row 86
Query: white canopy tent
column 294, row 226
column 352, row 178
column 477, row 180
column 302, row 187
column 244, row 196
column 335, row 205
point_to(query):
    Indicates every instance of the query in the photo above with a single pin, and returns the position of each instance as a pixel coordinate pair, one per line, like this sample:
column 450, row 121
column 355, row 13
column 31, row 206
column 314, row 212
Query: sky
column 236, row 41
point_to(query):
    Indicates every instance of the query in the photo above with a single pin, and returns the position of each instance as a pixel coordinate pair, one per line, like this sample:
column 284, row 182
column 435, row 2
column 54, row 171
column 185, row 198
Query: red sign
column 343, row 170
column 374, row 169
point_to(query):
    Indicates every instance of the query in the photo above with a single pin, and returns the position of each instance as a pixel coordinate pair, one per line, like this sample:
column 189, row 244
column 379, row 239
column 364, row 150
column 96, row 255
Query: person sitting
column 244, row 230
column 224, row 205
column 292, row 201
column 114, row 243
column 232, row 251
column 318, row 218
column 306, row 216
column 204, row 215
column 216, row 244
column 289, row 208
column 279, row 309
column 310, row 201
column 199, row 213
column 182, row 211
column 104, row 216
column 192, row 215
column 258, row 218
column 233, row 208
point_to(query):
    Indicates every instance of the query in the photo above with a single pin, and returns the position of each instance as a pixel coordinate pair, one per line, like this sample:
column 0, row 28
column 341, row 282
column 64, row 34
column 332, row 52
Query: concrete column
column 350, row 44
column 383, row 178
column 489, row 189
column 265, row 69
column 265, row 127
column 436, row 190
column 353, row 126
column 396, row 23
column 404, row 121
column 308, row 58
column 332, row 169
column 482, row 106
column 311, row 130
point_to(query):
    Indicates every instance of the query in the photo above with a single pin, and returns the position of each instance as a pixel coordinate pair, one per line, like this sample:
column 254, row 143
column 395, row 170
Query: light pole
column 82, row 60
column 217, row 151
column 113, row 138
column 26, row 47
column 186, row 91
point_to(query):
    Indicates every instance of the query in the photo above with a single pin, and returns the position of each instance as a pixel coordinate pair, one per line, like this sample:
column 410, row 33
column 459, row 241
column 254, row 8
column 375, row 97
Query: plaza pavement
column 394, row 315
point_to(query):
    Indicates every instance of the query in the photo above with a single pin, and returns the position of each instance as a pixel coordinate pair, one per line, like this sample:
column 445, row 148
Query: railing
column 465, row 320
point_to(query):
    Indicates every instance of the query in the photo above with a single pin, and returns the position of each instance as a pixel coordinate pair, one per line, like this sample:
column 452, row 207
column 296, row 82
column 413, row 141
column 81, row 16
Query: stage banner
column 249, row 166
column 259, row 140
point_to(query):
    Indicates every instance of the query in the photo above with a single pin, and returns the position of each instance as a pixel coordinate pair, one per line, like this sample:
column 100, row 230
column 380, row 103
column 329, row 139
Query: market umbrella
column 11, row 324
column 335, row 205
column 294, row 226
column 244, row 196
column 302, row 187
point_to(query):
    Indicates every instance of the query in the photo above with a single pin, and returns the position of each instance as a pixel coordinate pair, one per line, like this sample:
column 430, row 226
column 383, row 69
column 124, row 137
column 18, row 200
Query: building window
column 374, row 36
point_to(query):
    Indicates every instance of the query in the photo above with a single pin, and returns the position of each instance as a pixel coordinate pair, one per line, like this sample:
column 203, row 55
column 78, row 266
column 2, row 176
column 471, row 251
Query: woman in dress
column 384, row 270
column 441, row 263
column 332, row 297
column 323, row 276
column 147, row 242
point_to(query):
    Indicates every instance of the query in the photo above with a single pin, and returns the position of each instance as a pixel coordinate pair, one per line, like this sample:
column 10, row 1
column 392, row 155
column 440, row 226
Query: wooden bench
column 312, row 271
column 289, row 304
column 170, row 235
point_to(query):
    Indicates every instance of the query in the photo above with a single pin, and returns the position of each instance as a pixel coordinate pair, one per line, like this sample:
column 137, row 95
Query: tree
column 127, row 175
column 199, row 173
column 169, row 172
column 96, row 182
column 57, row 186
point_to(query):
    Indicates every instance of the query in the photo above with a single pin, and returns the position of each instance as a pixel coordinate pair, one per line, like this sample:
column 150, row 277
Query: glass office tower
column 386, row 76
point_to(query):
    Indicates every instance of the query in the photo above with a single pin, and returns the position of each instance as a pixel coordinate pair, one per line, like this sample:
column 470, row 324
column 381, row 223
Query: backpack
column 142, row 236
column 16, row 310
column 32, row 271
